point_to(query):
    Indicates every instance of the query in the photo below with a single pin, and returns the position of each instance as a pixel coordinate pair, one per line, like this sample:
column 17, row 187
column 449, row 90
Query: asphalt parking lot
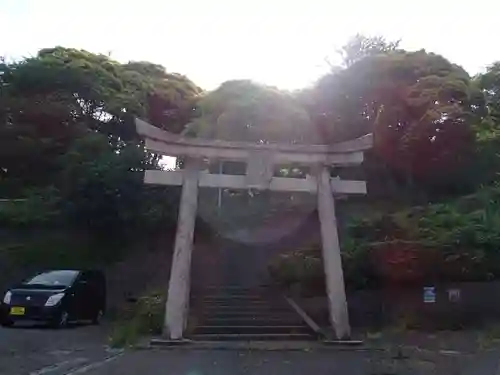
column 82, row 350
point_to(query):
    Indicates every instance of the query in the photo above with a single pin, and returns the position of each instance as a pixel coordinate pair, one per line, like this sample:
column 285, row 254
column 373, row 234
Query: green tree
column 361, row 46
column 103, row 189
column 487, row 160
column 489, row 82
column 246, row 111
column 66, row 121
column 242, row 110
column 419, row 106
column 62, row 94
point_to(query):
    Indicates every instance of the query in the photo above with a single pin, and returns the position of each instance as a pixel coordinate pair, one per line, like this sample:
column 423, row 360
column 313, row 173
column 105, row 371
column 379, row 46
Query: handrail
column 307, row 319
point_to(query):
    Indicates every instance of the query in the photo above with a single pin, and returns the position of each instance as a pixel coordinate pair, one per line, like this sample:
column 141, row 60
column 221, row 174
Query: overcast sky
column 278, row 42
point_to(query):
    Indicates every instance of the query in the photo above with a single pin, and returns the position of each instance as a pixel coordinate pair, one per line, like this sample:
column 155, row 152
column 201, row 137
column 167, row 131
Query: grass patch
column 490, row 337
column 377, row 335
column 142, row 318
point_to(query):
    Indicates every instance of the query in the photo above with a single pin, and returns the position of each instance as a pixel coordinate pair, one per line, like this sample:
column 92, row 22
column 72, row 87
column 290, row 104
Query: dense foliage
column 420, row 108
column 246, row 111
column 451, row 241
column 67, row 137
column 70, row 154
column 436, row 137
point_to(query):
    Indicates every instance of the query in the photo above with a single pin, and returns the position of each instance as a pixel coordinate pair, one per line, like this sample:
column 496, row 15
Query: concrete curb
column 162, row 344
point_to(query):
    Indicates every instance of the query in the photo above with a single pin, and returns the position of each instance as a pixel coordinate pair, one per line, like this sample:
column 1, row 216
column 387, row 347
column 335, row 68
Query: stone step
column 236, row 294
column 253, row 337
column 248, row 313
column 252, row 329
column 255, row 298
column 247, row 317
column 237, row 297
column 243, row 307
column 233, row 291
column 248, row 310
column 232, row 302
column 248, row 321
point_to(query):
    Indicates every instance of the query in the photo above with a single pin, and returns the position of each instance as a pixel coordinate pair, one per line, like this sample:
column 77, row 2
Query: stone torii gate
column 260, row 159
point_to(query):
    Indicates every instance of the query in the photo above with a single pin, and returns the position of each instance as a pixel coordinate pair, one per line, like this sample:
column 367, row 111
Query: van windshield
column 54, row 278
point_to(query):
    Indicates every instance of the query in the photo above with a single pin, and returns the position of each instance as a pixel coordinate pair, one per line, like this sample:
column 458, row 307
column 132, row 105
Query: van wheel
column 97, row 317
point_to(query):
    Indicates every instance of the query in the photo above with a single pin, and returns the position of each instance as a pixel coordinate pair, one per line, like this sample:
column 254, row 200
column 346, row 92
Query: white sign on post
column 454, row 295
column 429, row 294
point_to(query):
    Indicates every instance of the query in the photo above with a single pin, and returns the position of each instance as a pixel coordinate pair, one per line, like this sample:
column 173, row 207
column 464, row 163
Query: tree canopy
column 63, row 94
column 419, row 106
column 489, row 83
column 66, row 122
column 68, row 146
column 361, row 46
column 247, row 111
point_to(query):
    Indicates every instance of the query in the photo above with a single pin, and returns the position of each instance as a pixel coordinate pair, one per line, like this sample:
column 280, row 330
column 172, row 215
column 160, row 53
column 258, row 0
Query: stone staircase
column 245, row 314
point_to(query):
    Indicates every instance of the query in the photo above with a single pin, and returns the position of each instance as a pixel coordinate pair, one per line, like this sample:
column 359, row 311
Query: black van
column 56, row 297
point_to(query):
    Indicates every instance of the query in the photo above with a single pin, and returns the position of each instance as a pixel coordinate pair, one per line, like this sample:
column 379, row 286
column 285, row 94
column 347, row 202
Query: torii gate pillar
column 334, row 277
column 177, row 307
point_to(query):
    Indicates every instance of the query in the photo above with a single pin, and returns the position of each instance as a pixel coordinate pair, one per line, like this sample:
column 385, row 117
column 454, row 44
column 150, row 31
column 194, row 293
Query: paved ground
column 184, row 362
column 44, row 351
column 82, row 351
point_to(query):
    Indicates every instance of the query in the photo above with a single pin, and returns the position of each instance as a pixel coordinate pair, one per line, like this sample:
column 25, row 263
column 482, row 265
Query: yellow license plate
column 17, row 310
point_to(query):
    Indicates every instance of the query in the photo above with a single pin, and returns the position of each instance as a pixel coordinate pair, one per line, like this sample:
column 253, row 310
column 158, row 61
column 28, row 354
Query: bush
column 459, row 238
column 303, row 269
column 452, row 241
column 145, row 317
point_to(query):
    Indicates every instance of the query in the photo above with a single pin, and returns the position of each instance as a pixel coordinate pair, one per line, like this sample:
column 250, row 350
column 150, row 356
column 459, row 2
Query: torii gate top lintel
column 164, row 142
